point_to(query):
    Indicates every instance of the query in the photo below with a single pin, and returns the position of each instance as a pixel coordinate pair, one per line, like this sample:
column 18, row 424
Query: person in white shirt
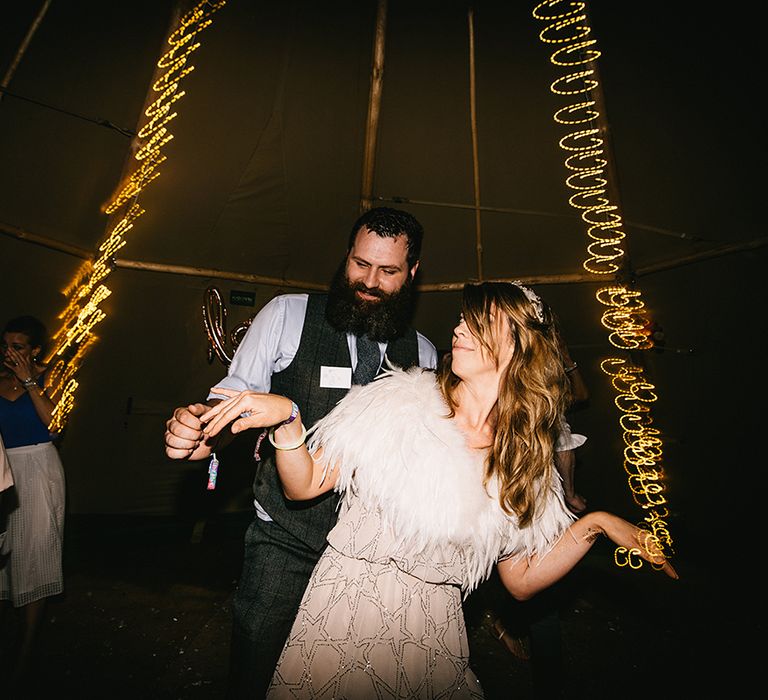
column 313, row 348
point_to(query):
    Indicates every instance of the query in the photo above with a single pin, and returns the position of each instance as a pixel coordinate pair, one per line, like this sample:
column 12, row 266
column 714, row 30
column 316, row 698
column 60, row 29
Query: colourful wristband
column 294, row 413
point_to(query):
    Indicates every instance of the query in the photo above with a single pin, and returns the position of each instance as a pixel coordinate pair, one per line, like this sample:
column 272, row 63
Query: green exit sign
column 242, row 298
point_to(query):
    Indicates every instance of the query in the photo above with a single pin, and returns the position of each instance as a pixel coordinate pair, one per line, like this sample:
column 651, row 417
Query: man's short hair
column 387, row 222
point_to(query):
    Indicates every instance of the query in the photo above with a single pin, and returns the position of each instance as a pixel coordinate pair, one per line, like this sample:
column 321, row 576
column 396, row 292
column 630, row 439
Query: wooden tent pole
column 121, row 263
column 24, row 44
column 21, row 234
column 374, row 108
column 566, row 278
column 475, row 156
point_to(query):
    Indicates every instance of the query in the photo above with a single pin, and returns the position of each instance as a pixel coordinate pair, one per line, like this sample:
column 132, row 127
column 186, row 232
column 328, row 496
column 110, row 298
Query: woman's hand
column 303, row 478
column 20, row 364
column 244, row 410
column 633, row 539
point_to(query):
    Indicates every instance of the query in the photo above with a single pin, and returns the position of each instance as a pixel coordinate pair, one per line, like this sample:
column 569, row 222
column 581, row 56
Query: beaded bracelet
column 28, row 382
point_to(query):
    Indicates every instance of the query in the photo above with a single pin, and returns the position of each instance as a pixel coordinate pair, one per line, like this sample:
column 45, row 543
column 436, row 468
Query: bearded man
column 311, row 348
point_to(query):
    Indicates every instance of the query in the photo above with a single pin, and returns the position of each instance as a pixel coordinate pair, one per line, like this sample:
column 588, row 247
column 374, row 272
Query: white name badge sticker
column 335, row 377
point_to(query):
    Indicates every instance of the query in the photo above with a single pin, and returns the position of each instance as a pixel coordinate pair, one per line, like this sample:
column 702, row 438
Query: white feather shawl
column 397, row 451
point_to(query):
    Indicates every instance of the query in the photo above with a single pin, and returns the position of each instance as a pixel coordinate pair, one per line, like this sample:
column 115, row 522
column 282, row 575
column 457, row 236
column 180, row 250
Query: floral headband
column 538, row 307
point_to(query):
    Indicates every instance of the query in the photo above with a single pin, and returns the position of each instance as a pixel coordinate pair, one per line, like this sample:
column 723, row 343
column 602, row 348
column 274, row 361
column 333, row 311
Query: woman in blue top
column 31, row 568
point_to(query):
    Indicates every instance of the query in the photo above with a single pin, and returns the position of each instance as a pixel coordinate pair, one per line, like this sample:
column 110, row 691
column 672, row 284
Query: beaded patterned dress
column 382, row 616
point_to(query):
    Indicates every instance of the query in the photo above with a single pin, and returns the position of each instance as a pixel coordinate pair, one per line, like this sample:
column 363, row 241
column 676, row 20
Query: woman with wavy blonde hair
column 533, row 389
column 441, row 479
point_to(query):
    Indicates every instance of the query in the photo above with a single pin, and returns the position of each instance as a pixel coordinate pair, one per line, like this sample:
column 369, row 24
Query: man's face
column 371, row 293
column 377, row 265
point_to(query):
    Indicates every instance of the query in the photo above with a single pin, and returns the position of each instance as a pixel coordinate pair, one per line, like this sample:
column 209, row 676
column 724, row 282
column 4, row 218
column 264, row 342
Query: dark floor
column 146, row 614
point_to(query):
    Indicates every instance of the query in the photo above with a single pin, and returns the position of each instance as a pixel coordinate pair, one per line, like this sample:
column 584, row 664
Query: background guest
column 34, row 505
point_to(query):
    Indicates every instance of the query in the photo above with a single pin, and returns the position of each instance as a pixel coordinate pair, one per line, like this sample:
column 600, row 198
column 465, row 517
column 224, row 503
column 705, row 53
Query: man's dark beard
column 382, row 320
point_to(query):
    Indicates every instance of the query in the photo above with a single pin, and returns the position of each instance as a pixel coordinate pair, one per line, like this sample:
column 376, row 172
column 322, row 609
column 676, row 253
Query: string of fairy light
column 625, row 317
column 87, row 291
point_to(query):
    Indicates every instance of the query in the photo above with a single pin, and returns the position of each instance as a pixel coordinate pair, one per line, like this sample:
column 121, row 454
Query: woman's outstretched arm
column 525, row 577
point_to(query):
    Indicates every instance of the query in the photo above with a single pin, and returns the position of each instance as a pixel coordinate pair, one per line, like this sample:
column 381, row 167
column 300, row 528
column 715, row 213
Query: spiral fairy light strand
column 87, row 290
column 575, row 55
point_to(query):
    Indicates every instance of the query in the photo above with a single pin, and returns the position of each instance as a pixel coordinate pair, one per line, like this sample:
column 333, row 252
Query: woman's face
column 18, row 342
column 470, row 358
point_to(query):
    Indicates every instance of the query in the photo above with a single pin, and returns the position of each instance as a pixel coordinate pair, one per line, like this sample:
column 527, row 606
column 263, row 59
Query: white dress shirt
column 272, row 341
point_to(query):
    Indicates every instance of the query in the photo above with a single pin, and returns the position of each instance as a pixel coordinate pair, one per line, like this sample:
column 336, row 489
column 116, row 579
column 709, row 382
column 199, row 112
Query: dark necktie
column 368, row 358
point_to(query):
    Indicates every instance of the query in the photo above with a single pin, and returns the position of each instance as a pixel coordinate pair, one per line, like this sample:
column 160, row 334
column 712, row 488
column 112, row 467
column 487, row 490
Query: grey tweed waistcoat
column 320, row 345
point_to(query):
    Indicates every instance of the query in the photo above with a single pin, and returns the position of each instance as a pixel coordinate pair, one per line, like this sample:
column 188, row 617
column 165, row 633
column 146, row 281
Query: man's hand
column 184, row 433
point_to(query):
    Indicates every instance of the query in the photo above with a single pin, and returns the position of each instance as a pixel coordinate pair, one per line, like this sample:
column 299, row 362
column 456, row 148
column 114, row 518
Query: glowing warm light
column 86, row 292
column 568, row 28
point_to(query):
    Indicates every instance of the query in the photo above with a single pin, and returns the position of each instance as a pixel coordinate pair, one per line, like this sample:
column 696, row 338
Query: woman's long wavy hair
column 533, row 392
